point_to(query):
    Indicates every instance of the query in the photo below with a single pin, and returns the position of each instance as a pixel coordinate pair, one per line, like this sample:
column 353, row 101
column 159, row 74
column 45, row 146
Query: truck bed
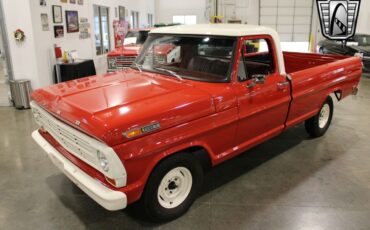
column 295, row 62
column 314, row 76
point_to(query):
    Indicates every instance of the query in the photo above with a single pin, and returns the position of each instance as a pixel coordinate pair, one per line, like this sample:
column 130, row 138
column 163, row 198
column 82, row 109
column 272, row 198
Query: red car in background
column 124, row 56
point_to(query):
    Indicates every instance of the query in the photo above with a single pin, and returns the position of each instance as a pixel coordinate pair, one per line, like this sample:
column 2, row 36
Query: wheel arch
column 336, row 92
column 201, row 152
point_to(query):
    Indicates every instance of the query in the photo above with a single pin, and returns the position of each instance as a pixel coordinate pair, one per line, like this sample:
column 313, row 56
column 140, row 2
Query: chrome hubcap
column 175, row 187
column 324, row 116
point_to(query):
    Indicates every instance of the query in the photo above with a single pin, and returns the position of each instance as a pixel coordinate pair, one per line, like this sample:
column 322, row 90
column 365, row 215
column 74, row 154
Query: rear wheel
column 319, row 124
column 172, row 187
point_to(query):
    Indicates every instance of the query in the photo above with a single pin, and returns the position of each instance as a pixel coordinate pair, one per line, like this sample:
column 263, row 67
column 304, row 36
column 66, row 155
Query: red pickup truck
column 149, row 132
column 124, row 56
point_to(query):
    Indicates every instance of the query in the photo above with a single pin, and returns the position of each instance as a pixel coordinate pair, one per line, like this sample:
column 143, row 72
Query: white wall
column 245, row 10
column 364, row 18
column 22, row 54
column 33, row 59
column 165, row 9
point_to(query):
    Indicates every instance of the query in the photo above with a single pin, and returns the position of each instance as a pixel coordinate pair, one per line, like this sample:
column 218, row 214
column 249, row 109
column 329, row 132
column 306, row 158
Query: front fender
column 215, row 134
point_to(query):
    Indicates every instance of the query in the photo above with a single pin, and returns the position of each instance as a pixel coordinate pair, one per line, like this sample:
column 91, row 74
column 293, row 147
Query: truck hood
column 106, row 106
column 127, row 50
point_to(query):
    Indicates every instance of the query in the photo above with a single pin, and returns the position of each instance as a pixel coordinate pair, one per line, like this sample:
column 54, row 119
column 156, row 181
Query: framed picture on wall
column 45, row 22
column 72, row 21
column 72, row 1
column 58, row 31
column 80, row 2
column 57, row 14
column 63, row 1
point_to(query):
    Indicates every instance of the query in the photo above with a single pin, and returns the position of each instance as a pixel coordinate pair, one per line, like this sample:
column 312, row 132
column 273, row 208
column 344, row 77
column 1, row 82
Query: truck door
column 263, row 94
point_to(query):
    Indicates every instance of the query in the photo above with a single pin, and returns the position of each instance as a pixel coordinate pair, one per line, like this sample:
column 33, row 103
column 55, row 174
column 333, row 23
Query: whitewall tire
column 319, row 124
column 172, row 187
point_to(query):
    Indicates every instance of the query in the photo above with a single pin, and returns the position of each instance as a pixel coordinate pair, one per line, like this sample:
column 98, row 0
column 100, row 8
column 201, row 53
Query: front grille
column 72, row 140
column 125, row 61
column 81, row 145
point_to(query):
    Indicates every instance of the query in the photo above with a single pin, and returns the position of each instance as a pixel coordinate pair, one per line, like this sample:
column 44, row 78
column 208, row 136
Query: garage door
column 291, row 18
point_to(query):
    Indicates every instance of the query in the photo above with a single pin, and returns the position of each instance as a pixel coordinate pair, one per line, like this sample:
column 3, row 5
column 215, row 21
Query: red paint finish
column 127, row 50
column 223, row 118
column 316, row 77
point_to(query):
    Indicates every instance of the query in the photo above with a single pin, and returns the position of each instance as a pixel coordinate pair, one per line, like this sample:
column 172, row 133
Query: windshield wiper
column 170, row 72
column 137, row 66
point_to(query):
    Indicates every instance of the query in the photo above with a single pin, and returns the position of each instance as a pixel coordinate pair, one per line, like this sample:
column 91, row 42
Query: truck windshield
column 136, row 37
column 201, row 58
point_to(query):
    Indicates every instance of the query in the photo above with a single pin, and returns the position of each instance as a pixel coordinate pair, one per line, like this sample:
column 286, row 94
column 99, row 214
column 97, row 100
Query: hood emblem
column 58, row 112
column 77, row 122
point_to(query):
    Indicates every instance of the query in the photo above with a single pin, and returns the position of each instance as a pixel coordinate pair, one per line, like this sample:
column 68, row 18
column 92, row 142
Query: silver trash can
column 20, row 90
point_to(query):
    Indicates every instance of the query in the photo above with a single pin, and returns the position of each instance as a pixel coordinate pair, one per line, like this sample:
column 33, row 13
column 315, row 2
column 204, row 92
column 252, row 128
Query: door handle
column 282, row 85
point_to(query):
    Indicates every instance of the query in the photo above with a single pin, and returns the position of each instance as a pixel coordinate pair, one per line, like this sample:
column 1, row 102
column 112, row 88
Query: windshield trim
column 227, row 79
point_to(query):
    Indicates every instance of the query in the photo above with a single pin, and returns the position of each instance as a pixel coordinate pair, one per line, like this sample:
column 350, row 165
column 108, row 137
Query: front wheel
column 172, row 187
column 319, row 124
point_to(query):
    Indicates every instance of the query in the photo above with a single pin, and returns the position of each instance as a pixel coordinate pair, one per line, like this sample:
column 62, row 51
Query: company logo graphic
column 338, row 18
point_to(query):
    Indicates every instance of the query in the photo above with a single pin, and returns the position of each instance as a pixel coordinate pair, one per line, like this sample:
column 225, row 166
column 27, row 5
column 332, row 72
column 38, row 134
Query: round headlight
column 104, row 164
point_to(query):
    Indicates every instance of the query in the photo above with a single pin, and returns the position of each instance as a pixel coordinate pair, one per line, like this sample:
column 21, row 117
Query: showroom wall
column 33, row 58
column 17, row 15
column 364, row 18
column 165, row 9
column 247, row 11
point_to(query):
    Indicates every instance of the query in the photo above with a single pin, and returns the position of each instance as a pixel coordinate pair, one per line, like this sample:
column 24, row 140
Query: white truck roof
column 234, row 30
column 231, row 30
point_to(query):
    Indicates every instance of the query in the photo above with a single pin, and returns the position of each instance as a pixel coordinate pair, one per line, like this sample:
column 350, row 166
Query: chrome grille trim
column 80, row 145
column 125, row 61
column 156, row 59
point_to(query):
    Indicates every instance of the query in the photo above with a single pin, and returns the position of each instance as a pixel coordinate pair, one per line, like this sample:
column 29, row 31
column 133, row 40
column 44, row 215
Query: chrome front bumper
column 110, row 199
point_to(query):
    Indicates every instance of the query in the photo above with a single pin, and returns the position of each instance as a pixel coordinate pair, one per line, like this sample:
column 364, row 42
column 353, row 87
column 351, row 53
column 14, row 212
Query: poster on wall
column 80, row 2
column 63, row 1
column 57, row 14
column 72, row 21
column 120, row 28
column 45, row 22
column 58, row 31
column 72, row 1
column 84, row 28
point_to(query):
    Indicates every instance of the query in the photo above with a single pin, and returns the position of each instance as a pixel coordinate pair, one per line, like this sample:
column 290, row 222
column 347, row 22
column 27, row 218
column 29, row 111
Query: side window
column 256, row 58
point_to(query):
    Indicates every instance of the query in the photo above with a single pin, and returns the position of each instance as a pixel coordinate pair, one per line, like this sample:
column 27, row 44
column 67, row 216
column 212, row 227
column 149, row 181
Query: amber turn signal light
column 133, row 133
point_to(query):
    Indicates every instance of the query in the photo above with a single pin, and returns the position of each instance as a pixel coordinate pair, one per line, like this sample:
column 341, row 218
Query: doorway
column 5, row 67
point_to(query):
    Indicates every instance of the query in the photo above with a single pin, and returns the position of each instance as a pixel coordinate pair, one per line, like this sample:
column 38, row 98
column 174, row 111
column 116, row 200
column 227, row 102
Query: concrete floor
column 291, row 182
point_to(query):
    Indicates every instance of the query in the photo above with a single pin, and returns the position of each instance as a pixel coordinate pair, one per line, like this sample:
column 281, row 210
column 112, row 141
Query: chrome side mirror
column 257, row 79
